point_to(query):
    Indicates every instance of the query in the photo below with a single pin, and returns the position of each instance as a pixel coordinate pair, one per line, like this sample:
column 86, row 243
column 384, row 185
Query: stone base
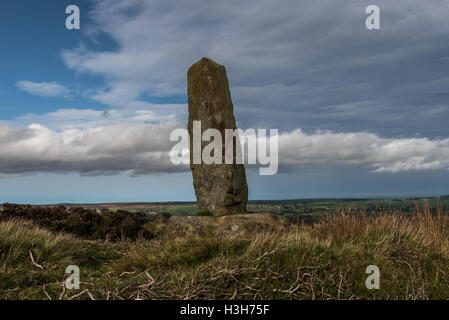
column 184, row 227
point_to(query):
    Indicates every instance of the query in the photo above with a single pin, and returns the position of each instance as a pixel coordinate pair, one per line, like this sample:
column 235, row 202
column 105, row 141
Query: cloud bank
column 125, row 147
column 144, row 149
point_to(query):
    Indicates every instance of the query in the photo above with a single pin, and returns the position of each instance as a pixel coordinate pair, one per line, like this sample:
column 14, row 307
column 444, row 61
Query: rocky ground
column 115, row 225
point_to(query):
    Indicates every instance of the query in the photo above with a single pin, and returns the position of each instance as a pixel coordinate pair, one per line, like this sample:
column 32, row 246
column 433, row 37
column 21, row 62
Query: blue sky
column 85, row 115
column 33, row 34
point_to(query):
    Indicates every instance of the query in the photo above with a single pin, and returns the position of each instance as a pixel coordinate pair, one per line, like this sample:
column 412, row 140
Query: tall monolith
column 220, row 188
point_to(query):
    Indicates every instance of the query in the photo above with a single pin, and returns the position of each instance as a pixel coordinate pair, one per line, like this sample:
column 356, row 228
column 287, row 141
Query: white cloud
column 124, row 147
column 300, row 151
column 144, row 148
column 44, row 89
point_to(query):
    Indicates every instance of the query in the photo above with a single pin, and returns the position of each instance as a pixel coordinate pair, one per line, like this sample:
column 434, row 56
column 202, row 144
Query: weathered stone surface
column 221, row 189
column 184, row 227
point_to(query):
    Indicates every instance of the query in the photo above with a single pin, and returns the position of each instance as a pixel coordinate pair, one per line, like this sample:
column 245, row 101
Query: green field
column 297, row 210
column 315, row 208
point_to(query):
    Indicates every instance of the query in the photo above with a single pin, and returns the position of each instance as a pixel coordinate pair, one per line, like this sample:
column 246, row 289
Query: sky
column 86, row 115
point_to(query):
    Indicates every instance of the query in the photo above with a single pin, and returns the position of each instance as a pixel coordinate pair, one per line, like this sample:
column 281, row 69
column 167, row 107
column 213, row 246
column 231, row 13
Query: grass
column 204, row 213
column 324, row 260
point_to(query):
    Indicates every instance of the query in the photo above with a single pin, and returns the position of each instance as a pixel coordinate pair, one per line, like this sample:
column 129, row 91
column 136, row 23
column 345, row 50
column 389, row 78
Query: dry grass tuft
column 326, row 260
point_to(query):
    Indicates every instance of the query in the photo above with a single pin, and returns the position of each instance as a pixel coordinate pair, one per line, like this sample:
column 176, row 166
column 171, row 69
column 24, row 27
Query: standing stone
column 220, row 189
